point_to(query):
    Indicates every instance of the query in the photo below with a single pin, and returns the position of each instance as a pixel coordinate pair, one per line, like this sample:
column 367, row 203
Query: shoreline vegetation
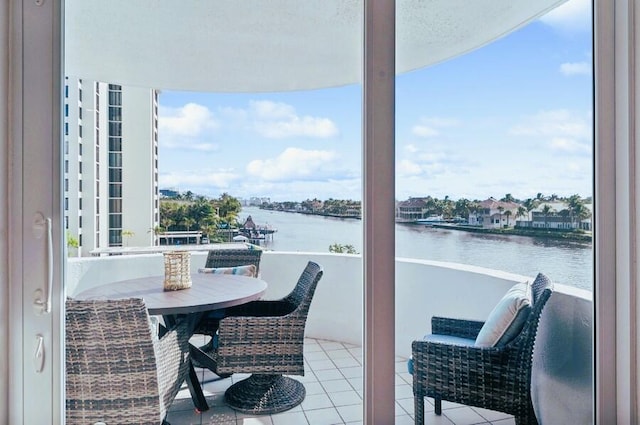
column 568, row 235
column 550, row 217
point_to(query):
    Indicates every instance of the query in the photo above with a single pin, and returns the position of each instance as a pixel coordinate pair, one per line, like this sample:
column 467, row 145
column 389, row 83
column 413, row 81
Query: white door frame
column 33, row 240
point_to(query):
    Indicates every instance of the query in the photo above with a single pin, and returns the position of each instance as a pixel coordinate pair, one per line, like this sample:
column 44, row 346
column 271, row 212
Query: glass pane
column 196, row 170
column 494, row 186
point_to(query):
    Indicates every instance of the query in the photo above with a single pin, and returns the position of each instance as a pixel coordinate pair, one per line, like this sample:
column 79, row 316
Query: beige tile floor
column 333, row 381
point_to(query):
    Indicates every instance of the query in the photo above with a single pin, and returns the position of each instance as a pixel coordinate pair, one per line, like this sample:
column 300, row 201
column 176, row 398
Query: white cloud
column 202, row 147
column 558, row 122
column 432, row 157
column 190, row 120
column 574, row 15
column 569, row 145
column 407, row 167
column 411, row 148
column 562, row 130
column 266, row 109
column 275, row 120
column 344, row 188
column 424, row 131
column 425, row 163
column 575, row 68
column 187, row 127
column 294, row 164
column 430, row 126
column 194, row 179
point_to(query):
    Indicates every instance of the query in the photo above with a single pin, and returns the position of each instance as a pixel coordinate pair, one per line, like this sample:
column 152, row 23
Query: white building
column 557, row 217
column 110, row 165
column 494, row 214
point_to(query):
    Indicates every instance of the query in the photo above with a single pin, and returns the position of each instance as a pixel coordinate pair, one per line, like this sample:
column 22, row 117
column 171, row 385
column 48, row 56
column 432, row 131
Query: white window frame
column 29, row 82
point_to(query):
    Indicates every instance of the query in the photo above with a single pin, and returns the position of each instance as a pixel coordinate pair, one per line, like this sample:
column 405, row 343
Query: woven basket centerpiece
column 177, row 270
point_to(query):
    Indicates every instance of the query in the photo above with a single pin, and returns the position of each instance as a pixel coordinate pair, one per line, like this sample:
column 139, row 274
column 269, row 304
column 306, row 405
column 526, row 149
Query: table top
column 208, row 292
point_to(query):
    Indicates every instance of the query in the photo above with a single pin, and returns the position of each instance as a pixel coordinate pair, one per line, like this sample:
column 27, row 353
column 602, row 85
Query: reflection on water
column 563, row 261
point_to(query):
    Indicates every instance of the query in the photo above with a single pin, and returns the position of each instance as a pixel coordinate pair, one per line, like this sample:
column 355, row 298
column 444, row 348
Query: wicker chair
column 208, row 325
column 234, row 257
column 266, row 338
column 117, row 371
column 495, row 378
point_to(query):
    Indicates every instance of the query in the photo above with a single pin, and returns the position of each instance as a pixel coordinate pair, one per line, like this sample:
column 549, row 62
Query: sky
column 514, row 116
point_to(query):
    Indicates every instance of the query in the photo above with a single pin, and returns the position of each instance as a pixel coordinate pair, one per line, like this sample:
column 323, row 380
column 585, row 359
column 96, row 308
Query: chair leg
column 418, row 403
column 261, row 394
column 438, row 404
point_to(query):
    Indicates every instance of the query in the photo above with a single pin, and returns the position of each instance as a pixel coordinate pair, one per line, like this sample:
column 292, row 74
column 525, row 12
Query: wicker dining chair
column 117, row 370
column 496, row 378
column 266, row 339
column 234, row 257
column 223, row 258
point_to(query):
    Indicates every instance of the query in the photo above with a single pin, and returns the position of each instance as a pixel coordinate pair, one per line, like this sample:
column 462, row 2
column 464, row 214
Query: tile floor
column 333, row 380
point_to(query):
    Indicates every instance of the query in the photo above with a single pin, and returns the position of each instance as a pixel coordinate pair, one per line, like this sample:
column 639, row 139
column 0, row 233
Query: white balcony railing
column 562, row 378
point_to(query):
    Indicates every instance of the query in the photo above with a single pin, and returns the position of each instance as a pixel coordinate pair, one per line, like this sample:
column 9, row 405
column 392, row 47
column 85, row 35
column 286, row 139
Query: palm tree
column 531, row 204
column 508, row 213
column 581, row 212
column 156, row 231
column 575, row 204
column 188, row 222
column 72, row 242
column 508, row 198
column 522, row 211
column 500, row 210
column 546, row 209
column 166, row 222
column 462, row 208
column 127, row 234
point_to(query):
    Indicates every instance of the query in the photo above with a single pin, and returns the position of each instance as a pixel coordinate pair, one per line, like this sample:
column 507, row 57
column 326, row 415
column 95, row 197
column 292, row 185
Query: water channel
column 564, row 262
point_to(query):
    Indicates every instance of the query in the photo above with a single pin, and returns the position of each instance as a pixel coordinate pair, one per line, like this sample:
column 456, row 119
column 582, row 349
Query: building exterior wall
column 110, row 140
column 140, row 195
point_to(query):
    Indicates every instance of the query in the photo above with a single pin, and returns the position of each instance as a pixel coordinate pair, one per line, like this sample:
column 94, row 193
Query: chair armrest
column 261, row 308
column 440, row 367
column 455, row 327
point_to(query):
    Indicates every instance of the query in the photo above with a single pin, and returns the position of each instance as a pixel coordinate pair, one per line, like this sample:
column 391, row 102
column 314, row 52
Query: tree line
column 447, row 208
column 190, row 212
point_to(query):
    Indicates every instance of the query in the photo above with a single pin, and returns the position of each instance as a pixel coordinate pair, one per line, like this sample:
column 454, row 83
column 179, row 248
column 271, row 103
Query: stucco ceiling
column 268, row 45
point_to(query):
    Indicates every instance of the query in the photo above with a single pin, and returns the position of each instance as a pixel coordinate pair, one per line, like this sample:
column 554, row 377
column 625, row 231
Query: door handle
column 38, row 356
column 42, row 297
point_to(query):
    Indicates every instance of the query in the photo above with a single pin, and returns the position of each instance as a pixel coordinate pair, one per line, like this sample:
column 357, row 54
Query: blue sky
column 512, row 117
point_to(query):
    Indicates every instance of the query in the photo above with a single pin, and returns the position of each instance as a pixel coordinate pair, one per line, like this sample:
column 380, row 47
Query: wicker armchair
column 117, row 371
column 496, row 378
column 209, row 322
column 266, row 338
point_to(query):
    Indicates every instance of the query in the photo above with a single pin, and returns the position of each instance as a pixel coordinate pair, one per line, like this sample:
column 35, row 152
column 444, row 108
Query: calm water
column 564, row 262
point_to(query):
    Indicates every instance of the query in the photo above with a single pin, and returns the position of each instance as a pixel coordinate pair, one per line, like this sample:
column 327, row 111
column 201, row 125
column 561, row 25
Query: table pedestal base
column 264, row 394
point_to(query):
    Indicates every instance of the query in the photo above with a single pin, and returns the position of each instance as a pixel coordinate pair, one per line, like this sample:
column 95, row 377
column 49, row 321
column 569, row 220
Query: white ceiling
column 268, row 45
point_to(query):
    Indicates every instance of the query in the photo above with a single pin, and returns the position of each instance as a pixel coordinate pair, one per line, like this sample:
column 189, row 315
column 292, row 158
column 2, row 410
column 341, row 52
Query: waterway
column 564, row 262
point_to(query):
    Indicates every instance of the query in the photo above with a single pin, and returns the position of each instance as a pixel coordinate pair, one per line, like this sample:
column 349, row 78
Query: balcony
column 562, row 376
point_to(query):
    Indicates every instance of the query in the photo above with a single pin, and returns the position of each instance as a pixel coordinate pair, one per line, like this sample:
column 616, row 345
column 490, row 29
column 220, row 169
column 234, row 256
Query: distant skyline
column 512, row 117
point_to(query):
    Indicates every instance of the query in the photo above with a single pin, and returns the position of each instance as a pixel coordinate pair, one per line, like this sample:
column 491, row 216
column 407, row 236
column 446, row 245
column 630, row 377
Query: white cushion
column 507, row 318
column 248, row 270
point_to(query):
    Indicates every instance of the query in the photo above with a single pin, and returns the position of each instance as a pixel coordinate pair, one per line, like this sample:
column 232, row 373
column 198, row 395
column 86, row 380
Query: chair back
column 100, row 386
column 302, row 294
column 234, row 257
column 541, row 290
